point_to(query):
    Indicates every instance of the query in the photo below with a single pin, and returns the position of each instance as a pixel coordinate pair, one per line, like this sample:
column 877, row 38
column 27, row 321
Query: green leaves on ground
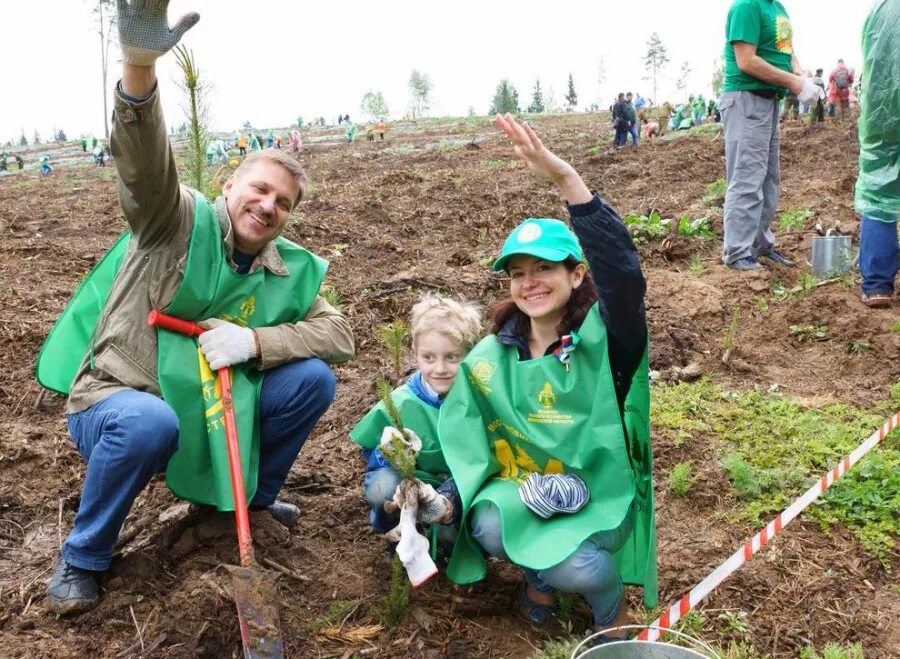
column 775, row 448
column 715, row 190
column 793, row 219
column 645, row 228
column 807, row 333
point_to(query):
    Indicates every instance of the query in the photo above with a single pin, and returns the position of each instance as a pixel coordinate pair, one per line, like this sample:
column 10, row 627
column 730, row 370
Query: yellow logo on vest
column 248, row 306
column 481, row 374
column 549, row 414
column 212, row 395
column 516, row 464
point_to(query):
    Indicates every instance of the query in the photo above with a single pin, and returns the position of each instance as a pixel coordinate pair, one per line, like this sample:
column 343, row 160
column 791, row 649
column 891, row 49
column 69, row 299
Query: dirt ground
column 423, row 211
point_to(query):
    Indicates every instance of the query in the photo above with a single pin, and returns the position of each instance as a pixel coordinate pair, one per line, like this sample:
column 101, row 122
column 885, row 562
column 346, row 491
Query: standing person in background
column 296, row 142
column 878, row 185
column 839, row 90
column 45, row 166
column 818, row 110
column 760, row 66
column 350, row 132
column 382, row 128
column 620, row 121
column 633, row 127
column 242, row 144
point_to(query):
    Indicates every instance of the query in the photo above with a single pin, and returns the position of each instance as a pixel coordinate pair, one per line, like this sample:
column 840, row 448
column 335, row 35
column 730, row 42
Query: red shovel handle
column 159, row 319
column 242, row 519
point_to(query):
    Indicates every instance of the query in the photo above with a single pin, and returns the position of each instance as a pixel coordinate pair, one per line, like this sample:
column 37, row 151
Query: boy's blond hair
column 458, row 320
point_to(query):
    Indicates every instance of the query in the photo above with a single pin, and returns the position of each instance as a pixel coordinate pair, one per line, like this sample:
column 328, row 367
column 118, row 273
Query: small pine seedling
column 395, row 336
column 681, row 478
column 401, row 457
column 392, row 608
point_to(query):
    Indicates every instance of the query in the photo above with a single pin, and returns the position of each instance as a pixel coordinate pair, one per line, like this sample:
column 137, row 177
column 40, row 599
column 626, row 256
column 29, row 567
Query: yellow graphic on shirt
column 248, row 306
column 516, row 464
column 212, row 394
column 784, row 35
column 546, row 397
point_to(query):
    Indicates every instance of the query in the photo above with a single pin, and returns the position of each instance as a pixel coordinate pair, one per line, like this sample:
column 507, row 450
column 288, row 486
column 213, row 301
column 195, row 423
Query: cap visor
column 545, row 253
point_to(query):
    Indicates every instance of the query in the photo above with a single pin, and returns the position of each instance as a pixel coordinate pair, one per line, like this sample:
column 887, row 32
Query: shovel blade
column 255, row 595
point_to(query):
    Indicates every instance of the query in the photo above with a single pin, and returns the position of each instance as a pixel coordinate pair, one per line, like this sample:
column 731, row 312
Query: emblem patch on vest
column 481, row 374
column 548, row 414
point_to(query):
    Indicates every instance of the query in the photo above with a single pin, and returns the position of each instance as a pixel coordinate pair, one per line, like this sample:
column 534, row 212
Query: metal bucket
column 626, row 649
column 831, row 255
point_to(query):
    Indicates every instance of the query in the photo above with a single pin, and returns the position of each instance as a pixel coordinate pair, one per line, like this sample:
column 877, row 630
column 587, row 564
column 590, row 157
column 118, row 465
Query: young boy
column 443, row 330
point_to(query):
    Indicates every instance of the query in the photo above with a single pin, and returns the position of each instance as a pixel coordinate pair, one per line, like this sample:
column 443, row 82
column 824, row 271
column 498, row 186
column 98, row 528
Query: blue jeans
column 379, row 486
column 878, row 255
column 127, row 438
column 589, row 571
column 698, row 118
column 633, row 131
column 621, row 137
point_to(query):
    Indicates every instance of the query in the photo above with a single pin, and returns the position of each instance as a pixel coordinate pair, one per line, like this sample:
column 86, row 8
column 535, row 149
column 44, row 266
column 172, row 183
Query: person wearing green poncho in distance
column 558, row 393
column 443, row 330
column 350, row 131
column 254, row 142
column 142, row 401
column 878, row 183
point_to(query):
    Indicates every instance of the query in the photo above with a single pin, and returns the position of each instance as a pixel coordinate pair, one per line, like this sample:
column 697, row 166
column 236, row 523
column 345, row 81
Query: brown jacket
column 160, row 214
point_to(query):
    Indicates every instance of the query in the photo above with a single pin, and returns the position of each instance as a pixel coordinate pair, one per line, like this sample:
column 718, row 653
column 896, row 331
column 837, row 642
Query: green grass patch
column 682, row 478
column 715, row 190
column 334, row 614
column 833, row 650
column 645, row 228
column 775, row 448
column 793, row 219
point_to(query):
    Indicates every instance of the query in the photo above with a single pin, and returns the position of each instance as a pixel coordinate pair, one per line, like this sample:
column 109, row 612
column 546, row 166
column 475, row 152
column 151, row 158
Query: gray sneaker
column 746, row 263
column 284, row 512
column 778, row 258
column 72, row 589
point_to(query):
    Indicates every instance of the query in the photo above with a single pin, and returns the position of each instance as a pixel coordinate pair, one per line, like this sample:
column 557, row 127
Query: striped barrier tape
column 678, row 610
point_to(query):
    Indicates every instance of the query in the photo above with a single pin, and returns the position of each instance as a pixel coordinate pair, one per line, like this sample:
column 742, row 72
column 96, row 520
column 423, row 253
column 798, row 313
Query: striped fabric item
column 548, row 494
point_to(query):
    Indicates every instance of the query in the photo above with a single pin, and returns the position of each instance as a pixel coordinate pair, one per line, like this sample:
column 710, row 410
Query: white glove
column 408, row 437
column 226, row 344
column 810, row 93
column 413, row 550
column 144, row 32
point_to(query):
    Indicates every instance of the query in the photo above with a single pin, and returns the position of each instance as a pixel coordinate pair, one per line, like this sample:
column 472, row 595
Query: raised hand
column 542, row 161
column 144, row 32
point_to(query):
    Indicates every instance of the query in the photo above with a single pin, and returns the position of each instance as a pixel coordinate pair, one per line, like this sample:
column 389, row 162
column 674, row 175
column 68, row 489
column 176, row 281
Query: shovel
column 254, row 590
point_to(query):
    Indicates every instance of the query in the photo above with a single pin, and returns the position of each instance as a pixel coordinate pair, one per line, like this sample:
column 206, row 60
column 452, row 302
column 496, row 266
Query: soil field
column 425, row 210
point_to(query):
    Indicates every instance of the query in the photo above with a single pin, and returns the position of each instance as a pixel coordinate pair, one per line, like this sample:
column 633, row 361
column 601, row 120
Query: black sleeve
column 616, row 269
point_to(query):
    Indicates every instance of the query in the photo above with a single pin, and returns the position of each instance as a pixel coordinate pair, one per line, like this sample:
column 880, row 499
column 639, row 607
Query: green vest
column 209, row 289
column 418, row 416
column 766, row 24
column 505, row 419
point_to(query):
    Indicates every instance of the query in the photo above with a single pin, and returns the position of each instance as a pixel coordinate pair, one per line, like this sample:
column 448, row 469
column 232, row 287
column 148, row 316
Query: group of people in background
column 837, row 100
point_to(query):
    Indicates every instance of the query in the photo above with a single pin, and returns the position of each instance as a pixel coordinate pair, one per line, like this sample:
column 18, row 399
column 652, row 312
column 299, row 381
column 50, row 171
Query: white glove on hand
column 408, row 437
column 226, row 344
column 810, row 93
column 144, row 32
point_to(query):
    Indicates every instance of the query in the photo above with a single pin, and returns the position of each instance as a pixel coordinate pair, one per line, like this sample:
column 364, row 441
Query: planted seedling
column 398, row 453
column 806, row 333
column 729, row 340
column 793, row 219
column 857, row 346
column 682, row 478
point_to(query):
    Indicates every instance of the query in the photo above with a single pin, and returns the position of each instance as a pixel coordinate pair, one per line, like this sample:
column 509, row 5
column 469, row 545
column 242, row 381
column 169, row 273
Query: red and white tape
column 701, row 590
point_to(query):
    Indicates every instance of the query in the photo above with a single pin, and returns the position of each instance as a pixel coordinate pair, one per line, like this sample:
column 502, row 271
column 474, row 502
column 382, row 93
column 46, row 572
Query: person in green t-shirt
column 760, row 66
column 878, row 184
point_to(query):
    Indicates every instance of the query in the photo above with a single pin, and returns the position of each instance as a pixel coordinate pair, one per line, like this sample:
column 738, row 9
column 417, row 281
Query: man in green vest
column 760, row 66
column 142, row 400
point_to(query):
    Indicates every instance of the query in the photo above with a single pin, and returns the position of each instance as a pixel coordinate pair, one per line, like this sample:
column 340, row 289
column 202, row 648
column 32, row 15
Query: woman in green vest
column 443, row 330
column 559, row 388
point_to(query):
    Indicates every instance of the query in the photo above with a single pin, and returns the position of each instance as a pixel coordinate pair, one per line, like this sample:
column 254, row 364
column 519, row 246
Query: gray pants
column 752, row 171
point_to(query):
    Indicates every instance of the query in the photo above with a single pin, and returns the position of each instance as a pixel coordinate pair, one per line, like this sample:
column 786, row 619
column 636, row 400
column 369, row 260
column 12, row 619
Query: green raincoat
column 878, row 183
column 505, row 419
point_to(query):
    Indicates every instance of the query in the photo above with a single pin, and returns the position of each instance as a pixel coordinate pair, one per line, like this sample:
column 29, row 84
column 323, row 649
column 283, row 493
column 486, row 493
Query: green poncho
column 878, row 183
column 210, row 289
column 505, row 419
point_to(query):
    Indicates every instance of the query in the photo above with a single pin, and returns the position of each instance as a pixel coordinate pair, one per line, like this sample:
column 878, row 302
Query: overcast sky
column 270, row 61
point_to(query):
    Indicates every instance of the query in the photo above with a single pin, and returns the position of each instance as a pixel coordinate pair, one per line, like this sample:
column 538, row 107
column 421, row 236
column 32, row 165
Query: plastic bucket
column 627, row 649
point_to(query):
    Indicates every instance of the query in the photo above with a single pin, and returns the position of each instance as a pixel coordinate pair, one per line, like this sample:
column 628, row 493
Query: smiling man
column 143, row 401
